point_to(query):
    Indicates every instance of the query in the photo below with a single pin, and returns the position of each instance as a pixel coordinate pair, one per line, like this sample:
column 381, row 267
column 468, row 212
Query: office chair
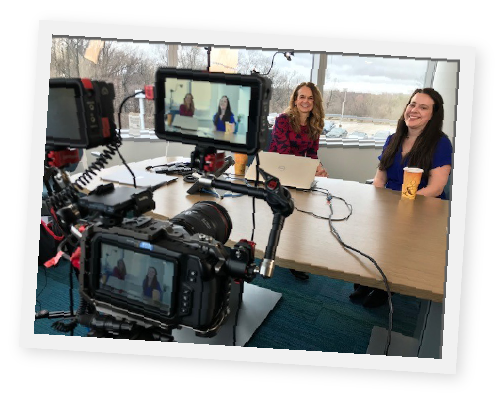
column 267, row 145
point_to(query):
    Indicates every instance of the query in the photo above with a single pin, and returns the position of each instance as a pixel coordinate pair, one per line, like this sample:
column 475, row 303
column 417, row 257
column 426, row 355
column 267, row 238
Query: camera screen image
column 137, row 277
column 206, row 109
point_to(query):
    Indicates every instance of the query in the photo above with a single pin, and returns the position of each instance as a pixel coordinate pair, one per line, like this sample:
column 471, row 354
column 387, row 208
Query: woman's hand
column 321, row 171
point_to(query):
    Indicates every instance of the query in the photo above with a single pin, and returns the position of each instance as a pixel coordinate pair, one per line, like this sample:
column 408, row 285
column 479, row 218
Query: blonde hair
column 316, row 118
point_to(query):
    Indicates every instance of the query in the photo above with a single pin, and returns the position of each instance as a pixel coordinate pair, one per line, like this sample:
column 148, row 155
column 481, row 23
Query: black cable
column 39, row 293
column 271, row 64
column 349, row 206
column 338, row 237
column 119, row 133
column 107, row 154
column 421, row 339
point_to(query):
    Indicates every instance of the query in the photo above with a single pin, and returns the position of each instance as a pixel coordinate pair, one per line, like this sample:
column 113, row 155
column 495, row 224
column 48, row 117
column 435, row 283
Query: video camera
column 140, row 277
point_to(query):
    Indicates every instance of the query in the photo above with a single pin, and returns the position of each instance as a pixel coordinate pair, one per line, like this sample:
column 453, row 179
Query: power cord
column 330, row 197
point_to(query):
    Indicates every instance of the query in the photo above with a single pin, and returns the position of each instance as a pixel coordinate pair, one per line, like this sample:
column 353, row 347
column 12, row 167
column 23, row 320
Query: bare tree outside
column 130, row 67
column 192, row 57
column 283, row 84
column 126, row 66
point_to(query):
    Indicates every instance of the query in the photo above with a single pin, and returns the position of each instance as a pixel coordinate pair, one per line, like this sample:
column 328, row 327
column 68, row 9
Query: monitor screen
column 207, row 110
column 62, row 116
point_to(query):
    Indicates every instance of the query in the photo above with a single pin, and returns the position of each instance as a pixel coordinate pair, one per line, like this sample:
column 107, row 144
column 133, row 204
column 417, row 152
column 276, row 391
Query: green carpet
column 313, row 315
column 317, row 315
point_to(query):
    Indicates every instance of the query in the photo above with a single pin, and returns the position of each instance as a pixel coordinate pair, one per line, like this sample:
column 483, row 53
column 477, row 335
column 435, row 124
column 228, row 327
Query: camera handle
column 277, row 197
column 110, row 327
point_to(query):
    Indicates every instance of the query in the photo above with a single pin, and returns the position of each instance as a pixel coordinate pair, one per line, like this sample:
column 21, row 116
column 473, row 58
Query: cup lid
column 413, row 169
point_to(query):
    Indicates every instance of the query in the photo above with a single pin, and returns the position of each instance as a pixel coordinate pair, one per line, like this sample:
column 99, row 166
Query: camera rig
column 199, row 293
column 140, row 277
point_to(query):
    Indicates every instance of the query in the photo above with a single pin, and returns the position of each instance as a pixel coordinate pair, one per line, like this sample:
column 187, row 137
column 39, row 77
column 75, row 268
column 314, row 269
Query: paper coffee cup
column 229, row 128
column 240, row 160
column 411, row 181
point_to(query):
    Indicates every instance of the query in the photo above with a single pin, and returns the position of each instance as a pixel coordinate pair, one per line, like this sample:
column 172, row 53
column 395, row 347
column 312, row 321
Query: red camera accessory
column 63, row 158
column 214, row 161
column 149, row 92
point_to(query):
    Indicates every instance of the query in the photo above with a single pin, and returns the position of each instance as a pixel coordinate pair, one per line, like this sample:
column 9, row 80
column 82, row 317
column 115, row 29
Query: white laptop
column 184, row 122
column 292, row 171
column 144, row 178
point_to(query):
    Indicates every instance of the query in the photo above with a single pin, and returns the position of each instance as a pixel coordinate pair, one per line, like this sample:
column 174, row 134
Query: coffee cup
column 240, row 160
column 411, row 181
column 229, row 128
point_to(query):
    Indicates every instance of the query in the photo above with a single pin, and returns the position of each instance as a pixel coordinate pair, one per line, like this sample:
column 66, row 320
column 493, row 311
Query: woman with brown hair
column 188, row 107
column 418, row 142
column 297, row 130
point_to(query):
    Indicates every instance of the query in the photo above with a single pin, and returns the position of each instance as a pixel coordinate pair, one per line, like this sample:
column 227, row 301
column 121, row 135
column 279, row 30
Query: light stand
column 209, row 50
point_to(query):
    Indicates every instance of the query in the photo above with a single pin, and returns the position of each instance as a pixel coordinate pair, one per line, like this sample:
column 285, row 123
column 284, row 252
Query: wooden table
column 408, row 239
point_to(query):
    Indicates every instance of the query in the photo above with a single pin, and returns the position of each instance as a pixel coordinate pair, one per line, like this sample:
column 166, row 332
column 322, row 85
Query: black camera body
column 164, row 274
column 80, row 113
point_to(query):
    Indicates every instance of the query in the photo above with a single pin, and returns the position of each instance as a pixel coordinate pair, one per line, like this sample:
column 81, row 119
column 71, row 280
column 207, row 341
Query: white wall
column 446, row 83
column 350, row 164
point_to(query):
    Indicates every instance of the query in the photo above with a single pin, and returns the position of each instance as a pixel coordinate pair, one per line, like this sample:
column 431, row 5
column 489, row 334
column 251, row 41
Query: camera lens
column 206, row 217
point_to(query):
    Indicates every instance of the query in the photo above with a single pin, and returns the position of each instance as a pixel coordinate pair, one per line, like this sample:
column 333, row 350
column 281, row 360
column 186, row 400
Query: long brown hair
column 192, row 104
column 423, row 150
column 316, row 118
column 227, row 114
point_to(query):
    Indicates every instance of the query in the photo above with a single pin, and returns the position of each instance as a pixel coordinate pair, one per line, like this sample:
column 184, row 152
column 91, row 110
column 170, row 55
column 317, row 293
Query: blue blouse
column 442, row 157
column 221, row 125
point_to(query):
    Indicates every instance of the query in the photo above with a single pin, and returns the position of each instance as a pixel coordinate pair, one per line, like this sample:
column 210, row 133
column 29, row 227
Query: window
column 365, row 96
column 284, row 74
column 128, row 65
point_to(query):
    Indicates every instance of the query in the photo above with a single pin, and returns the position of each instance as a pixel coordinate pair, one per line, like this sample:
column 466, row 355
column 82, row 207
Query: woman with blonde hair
column 297, row 130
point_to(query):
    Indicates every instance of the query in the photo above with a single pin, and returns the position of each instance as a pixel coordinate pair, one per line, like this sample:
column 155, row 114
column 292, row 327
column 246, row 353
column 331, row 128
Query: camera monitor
column 80, row 113
column 226, row 111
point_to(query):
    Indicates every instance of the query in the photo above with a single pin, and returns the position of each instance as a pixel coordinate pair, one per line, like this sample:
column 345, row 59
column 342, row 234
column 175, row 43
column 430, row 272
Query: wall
column 350, row 164
column 446, row 83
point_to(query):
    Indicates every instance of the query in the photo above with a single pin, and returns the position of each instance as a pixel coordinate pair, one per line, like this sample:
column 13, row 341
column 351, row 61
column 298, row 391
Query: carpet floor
column 312, row 315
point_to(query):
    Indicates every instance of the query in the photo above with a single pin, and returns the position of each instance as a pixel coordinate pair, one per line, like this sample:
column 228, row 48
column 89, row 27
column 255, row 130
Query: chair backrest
column 266, row 149
column 447, row 187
